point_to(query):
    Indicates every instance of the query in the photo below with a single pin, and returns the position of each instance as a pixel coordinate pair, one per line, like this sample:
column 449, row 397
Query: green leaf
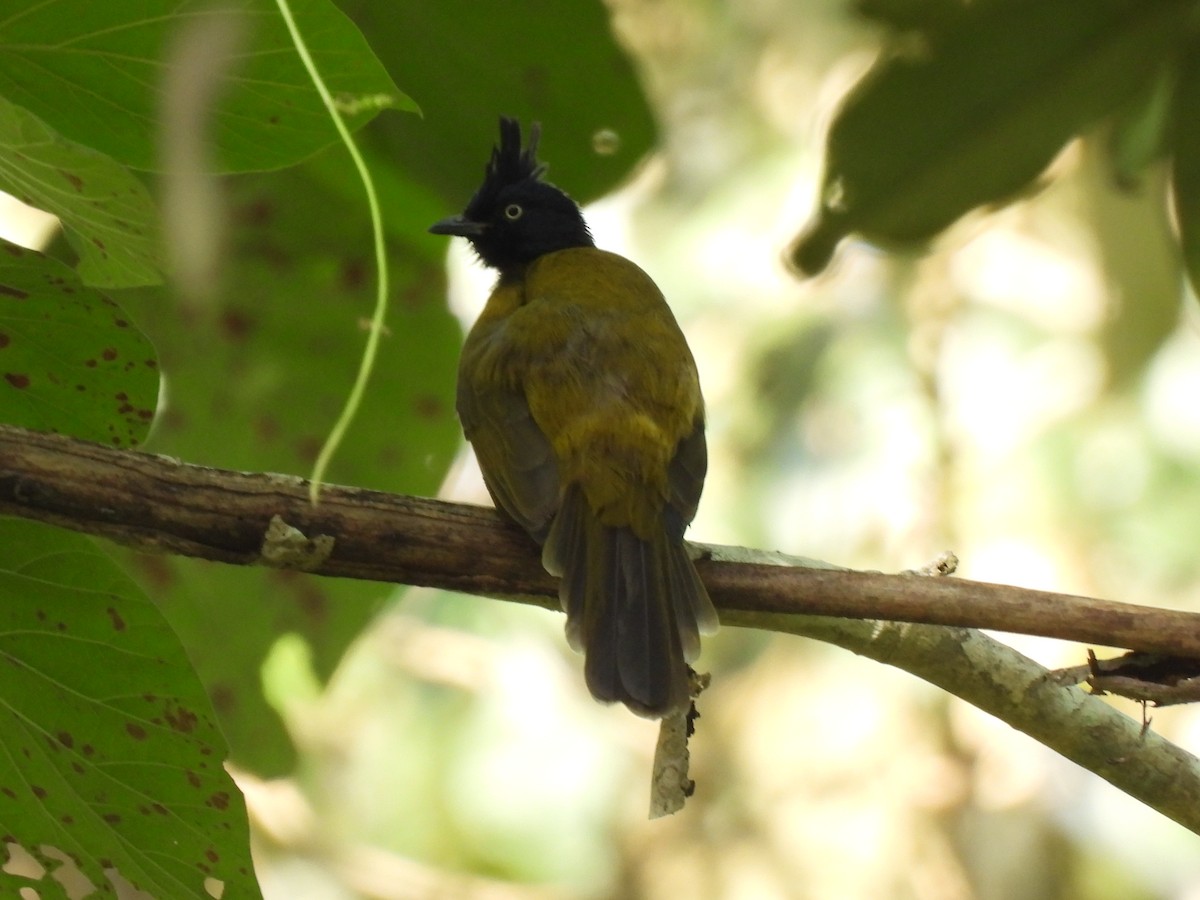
column 109, row 751
column 96, row 71
column 1138, row 259
column 1141, row 132
column 475, row 60
column 70, row 359
column 109, row 218
column 977, row 114
column 256, row 384
column 1185, row 172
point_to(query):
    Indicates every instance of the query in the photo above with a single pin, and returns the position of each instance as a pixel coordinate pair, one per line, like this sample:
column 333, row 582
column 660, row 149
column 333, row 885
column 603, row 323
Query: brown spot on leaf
column 308, row 447
column 312, row 599
column 219, row 800
column 135, row 731
column 109, row 354
column 193, row 778
column 38, row 791
column 158, row 570
column 266, row 427
column 5, row 340
column 211, row 855
column 72, row 179
column 66, row 739
column 428, row 406
column 118, row 623
column 17, row 380
column 8, row 792
column 236, row 324
column 258, row 212
column 181, row 719
column 7, row 290
column 415, row 296
column 224, row 698
column 354, row 275
column 111, row 818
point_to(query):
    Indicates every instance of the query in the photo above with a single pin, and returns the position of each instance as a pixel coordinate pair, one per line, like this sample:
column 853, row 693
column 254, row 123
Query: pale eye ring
column 513, row 211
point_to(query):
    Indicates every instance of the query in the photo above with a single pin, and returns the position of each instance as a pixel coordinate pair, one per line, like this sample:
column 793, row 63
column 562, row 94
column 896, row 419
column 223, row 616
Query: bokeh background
column 1024, row 391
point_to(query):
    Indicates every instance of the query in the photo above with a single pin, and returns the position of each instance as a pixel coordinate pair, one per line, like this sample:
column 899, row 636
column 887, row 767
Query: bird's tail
column 635, row 608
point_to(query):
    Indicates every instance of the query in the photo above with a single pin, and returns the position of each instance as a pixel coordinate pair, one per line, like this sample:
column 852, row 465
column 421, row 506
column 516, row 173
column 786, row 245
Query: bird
column 581, row 398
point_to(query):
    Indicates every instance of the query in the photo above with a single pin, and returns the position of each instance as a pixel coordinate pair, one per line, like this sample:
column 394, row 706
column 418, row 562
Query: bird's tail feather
column 634, row 607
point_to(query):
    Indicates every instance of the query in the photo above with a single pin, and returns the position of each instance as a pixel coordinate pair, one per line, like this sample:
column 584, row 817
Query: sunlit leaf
column 108, row 215
column 979, row 112
column 95, row 72
column 109, row 750
column 70, row 359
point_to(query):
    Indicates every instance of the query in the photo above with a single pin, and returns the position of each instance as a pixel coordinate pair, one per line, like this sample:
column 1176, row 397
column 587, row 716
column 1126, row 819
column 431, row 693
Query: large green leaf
column 70, row 359
column 979, row 112
column 469, row 61
column 108, row 215
column 95, row 72
column 256, row 383
column 109, row 750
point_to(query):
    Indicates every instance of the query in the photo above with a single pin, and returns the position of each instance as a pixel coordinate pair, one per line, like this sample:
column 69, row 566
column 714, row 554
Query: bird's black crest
column 516, row 217
column 509, row 165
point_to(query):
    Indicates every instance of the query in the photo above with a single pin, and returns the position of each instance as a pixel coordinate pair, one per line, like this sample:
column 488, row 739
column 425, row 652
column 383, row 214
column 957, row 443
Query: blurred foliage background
column 1016, row 383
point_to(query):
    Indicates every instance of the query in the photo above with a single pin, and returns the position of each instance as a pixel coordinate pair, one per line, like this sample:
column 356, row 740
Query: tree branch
column 160, row 504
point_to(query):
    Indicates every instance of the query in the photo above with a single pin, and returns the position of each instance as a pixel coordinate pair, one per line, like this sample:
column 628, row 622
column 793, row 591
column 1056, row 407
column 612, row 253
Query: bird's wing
column 685, row 477
column 517, row 462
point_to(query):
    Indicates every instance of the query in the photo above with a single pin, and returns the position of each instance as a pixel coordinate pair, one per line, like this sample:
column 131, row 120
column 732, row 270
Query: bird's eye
column 513, row 211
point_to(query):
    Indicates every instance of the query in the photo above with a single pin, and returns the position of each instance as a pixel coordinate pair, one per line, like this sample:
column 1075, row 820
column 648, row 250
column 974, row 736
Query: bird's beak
column 458, row 226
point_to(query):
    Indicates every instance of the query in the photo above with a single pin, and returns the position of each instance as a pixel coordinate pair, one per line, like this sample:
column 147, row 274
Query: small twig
column 1144, row 677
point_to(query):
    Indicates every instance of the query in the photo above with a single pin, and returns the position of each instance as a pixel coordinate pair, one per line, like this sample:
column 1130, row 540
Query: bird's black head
column 515, row 217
